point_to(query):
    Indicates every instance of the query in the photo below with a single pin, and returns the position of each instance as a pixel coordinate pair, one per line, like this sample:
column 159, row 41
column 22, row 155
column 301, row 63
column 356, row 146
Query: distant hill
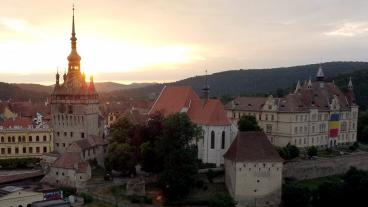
column 227, row 83
column 14, row 92
column 101, row 87
column 256, row 81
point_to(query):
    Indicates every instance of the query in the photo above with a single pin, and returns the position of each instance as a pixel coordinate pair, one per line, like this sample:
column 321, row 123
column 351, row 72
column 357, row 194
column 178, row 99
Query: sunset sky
column 165, row 40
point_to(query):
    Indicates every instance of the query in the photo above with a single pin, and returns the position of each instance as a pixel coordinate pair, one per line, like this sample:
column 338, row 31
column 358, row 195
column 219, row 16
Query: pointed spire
column 64, row 76
column 57, row 76
column 350, row 84
column 320, row 75
column 206, row 88
column 73, row 58
column 309, row 85
column 297, row 87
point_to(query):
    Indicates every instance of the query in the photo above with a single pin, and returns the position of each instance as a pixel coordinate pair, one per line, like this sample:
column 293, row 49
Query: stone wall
column 322, row 167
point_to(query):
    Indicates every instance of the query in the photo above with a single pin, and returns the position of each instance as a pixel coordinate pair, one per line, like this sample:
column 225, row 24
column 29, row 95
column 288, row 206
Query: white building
column 253, row 170
column 315, row 114
column 218, row 131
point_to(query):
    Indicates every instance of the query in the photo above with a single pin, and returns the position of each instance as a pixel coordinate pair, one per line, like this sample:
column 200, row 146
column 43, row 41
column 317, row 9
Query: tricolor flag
column 334, row 125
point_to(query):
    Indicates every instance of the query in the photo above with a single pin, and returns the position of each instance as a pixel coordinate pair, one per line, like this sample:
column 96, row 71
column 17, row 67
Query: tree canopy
column 248, row 123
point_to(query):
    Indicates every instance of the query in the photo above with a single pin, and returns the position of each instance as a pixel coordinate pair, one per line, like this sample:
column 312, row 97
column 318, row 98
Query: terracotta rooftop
column 317, row 96
column 90, row 142
column 71, row 160
column 174, row 99
column 20, row 122
column 19, row 177
column 252, row 147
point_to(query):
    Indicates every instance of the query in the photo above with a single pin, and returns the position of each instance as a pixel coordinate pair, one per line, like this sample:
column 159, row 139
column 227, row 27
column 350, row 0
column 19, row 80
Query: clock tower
column 75, row 112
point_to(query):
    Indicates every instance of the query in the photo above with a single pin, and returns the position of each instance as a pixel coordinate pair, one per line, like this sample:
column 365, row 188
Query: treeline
column 349, row 189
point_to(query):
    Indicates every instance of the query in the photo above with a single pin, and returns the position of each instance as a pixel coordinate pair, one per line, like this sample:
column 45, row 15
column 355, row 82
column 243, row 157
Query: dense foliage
column 363, row 127
column 349, row 190
column 248, row 123
column 14, row 163
column 312, row 151
column 162, row 146
column 288, row 152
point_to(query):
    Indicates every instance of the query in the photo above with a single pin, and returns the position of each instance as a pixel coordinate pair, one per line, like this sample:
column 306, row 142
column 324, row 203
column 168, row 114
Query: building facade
column 315, row 114
column 20, row 138
column 253, row 170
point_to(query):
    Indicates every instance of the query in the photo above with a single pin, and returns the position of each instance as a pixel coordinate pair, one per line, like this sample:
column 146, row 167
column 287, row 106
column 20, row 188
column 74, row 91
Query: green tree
column 248, row 123
column 363, row 127
column 312, row 151
column 180, row 166
column 288, row 152
column 121, row 157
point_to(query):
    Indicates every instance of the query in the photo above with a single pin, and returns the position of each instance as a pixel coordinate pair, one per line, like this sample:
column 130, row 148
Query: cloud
column 16, row 25
column 349, row 29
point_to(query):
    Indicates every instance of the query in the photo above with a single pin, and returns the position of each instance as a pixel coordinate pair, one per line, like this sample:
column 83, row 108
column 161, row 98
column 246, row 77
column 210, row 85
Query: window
column 9, row 150
column 2, row 151
column 30, row 139
column 57, row 144
column 82, row 134
column 223, row 140
column 71, row 134
column 19, row 139
column 30, row 149
column 58, row 134
column 44, row 149
column 37, row 149
column 272, row 117
column 13, row 139
column 37, row 138
column 2, row 139
column 24, row 150
column 44, row 138
column 9, row 139
column 212, row 140
column 268, row 128
column 16, row 150
column 65, row 134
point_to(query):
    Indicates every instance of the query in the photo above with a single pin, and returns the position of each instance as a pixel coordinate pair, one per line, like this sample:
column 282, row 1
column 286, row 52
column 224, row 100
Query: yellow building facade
column 25, row 142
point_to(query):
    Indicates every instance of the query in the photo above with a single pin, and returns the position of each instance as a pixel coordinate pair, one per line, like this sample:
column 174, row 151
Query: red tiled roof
column 17, row 122
column 90, row 142
column 71, row 160
column 174, row 99
column 252, row 146
column 247, row 103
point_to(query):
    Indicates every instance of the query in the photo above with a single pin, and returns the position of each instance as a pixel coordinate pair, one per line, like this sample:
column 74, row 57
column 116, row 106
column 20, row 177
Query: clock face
column 61, row 108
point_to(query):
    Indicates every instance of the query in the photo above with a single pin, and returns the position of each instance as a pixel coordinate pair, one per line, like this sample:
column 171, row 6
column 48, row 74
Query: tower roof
column 320, row 75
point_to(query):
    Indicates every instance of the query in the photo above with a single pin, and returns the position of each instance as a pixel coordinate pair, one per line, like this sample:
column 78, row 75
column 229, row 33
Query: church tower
column 75, row 112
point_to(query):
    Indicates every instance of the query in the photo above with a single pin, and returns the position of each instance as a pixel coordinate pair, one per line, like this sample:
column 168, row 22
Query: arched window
column 223, row 140
column 212, row 140
column 2, row 139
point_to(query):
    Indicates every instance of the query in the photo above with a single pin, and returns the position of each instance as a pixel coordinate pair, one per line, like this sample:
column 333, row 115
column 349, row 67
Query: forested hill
column 360, row 82
column 246, row 82
column 255, row 81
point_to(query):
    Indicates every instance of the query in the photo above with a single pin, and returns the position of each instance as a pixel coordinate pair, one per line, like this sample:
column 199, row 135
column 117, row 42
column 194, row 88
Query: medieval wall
column 321, row 167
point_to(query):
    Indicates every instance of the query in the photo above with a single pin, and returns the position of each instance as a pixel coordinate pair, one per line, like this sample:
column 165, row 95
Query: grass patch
column 313, row 184
column 207, row 192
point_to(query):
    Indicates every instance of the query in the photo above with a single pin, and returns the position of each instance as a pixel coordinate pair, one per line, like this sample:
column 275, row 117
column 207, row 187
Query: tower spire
column 73, row 58
column 206, row 88
column 350, row 84
column 320, row 75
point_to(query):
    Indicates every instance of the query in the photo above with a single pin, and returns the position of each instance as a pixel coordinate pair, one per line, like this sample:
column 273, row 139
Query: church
column 77, row 123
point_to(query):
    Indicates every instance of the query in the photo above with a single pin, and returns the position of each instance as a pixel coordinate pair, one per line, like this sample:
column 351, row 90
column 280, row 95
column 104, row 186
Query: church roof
column 252, row 147
column 174, row 99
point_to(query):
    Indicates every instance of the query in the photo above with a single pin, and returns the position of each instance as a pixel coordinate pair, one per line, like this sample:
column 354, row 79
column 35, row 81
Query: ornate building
column 315, row 114
column 78, row 126
column 75, row 112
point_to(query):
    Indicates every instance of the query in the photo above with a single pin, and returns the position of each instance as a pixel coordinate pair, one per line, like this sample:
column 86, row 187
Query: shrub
column 87, row 197
column 222, row 200
column 289, row 152
column 312, row 151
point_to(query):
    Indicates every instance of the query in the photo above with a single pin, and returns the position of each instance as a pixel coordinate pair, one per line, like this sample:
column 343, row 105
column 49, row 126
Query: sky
column 129, row 41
